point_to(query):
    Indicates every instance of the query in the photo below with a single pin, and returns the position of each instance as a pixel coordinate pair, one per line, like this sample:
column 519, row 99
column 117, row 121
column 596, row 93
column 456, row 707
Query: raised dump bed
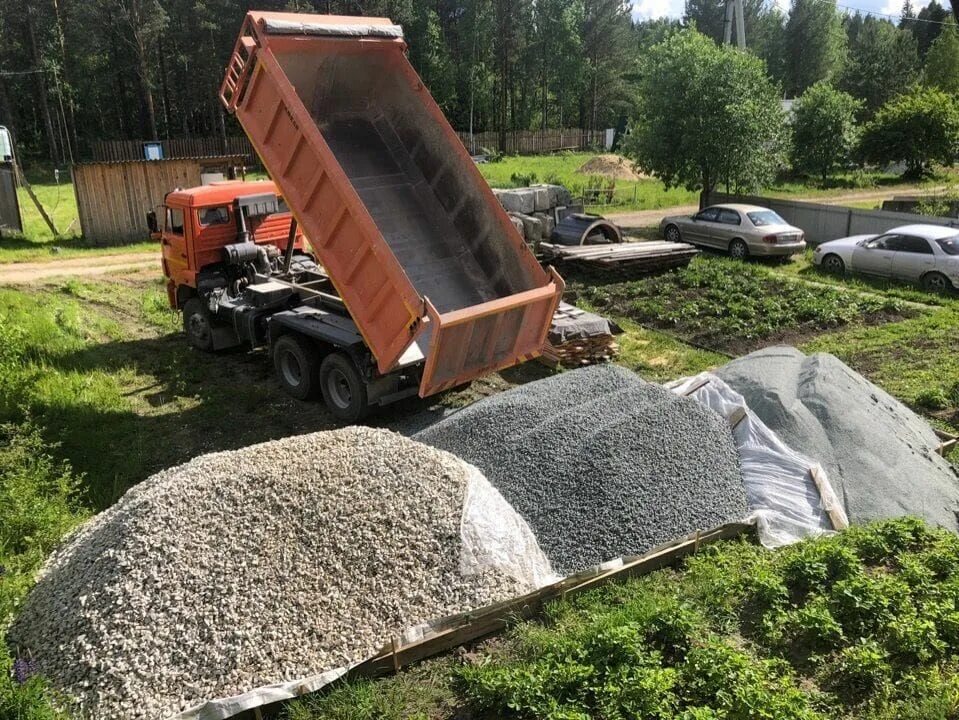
column 411, row 235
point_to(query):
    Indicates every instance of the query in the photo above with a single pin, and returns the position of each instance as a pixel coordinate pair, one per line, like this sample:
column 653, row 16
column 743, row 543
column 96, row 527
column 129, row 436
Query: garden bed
column 736, row 307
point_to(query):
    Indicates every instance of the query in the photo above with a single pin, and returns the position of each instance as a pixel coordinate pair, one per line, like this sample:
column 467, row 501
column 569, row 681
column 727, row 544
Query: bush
column 858, row 671
column 824, row 129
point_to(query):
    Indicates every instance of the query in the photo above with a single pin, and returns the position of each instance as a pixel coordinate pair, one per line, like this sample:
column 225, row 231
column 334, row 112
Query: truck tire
column 198, row 324
column 343, row 388
column 296, row 366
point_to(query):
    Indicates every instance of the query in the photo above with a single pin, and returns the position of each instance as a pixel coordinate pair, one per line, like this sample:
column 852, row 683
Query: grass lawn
column 37, row 243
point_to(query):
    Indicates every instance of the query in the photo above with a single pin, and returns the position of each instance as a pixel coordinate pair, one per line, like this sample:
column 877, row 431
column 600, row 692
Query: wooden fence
column 532, row 142
column 518, row 141
column 177, row 148
column 113, row 198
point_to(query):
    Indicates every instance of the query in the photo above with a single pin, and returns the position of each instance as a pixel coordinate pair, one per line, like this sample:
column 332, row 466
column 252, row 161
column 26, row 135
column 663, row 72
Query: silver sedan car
column 927, row 254
column 742, row 230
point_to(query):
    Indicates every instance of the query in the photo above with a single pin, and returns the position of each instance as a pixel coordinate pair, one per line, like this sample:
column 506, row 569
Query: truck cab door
column 173, row 241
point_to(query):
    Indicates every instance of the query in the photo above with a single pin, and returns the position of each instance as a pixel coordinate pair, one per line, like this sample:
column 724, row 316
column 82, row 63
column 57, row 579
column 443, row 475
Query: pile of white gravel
column 245, row 568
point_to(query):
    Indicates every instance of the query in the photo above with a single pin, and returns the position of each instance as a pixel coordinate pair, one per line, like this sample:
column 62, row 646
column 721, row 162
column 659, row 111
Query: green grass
column 735, row 307
column 860, row 625
column 562, row 169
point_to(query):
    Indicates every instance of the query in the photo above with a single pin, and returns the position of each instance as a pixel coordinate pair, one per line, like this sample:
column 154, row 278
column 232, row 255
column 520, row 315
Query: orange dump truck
column 410, row 250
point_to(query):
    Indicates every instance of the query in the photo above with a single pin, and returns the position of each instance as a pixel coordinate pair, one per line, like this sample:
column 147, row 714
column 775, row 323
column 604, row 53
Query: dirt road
column 28, row 273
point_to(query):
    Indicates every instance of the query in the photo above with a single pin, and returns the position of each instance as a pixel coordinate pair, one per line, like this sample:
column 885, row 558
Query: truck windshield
column 949, row 245
column 761, row 218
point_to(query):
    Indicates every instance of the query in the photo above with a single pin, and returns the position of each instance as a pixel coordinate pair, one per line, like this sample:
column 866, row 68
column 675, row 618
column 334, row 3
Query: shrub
column 932, row 399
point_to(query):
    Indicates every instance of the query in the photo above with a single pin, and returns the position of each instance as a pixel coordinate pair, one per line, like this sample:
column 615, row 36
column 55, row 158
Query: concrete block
column 546, row 220
column 520, row 200
column 518, row 224
column 541, row 198
column 532, row 228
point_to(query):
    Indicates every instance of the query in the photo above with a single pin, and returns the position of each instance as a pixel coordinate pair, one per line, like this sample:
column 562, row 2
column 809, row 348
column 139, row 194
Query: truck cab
column 197, row 223
column 239, row 269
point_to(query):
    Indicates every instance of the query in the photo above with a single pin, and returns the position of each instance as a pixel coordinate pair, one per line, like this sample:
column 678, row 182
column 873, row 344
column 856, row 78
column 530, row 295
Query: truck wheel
column 343, row 388
column 296, row 366
column 198, row 324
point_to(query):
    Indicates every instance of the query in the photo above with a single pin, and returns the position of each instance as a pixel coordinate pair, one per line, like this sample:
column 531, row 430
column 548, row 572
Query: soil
column 31, row 272
column 611, row 166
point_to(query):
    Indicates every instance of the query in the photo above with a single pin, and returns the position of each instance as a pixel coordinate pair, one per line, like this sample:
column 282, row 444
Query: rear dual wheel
column 304, row 375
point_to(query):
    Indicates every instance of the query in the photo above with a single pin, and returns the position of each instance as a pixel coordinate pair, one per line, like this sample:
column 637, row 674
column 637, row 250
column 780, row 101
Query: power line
column 890, row 17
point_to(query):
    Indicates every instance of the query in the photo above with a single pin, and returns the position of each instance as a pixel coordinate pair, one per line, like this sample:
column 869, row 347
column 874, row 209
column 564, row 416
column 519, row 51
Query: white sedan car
column 927, row 254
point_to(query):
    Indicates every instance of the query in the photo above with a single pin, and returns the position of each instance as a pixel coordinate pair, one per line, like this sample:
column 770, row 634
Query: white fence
column 822, row 223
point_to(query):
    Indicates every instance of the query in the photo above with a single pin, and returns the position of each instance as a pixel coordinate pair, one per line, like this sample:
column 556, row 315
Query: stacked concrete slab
column 531, row 209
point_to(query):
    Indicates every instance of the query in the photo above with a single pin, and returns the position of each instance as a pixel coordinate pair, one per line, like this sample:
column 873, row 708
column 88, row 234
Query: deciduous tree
column 707, row 115
column 824, row 128
column 918, row 129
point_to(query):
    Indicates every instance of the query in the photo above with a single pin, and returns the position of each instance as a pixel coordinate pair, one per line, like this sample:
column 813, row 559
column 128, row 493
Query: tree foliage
column 815, row 44
column 942, row 61
column 917, row 129
column 707, row 115
column 824, row 128
column 883, row 61
column 75, row 71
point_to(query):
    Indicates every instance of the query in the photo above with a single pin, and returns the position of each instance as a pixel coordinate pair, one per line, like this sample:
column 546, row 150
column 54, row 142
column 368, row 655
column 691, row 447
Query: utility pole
column 734, row 7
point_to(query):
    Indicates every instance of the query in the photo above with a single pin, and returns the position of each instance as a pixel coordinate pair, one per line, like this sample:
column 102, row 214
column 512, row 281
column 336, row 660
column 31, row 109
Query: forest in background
column 76, row 71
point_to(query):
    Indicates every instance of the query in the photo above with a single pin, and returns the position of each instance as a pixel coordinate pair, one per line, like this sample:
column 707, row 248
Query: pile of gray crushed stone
column 245, row 568
column 600, row 463
column 879, row 454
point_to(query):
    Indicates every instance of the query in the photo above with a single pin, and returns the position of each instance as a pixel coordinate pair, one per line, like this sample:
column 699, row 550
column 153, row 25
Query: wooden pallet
column 651, row 255
column 579, row 352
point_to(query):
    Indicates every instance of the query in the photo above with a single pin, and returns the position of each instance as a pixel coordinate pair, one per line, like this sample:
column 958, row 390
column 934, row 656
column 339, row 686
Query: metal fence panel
column 10, row 221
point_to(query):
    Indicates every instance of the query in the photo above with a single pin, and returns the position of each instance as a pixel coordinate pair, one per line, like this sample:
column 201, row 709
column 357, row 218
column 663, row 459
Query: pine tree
column 815, row 44
column 942, row 61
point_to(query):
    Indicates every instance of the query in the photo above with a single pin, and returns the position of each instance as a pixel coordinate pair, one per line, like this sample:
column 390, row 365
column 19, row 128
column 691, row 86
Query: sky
column 647, row 9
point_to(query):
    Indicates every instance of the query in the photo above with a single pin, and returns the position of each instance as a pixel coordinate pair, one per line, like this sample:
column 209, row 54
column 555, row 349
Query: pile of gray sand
column 600, row 463
column 879, row 454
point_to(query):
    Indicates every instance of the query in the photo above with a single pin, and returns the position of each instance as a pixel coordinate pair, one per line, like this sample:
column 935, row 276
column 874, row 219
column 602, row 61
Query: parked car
column 742, row 230
column 927, row 254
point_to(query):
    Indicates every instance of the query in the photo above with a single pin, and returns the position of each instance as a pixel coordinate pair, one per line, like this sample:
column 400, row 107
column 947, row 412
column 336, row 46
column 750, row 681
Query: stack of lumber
column 644, row 255
column 578, row 338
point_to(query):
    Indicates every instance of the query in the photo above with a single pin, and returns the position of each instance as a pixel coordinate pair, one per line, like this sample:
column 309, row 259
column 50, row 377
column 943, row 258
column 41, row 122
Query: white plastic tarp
column 789, row 495
column 493, row 537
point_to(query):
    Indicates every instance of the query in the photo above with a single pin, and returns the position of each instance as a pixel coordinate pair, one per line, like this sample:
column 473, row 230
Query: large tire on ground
column 936, row 282
column 833, row 264
column 672, row 234
column 343, row 388
column 297, row 366
column 198, row 324
column 738, row 249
